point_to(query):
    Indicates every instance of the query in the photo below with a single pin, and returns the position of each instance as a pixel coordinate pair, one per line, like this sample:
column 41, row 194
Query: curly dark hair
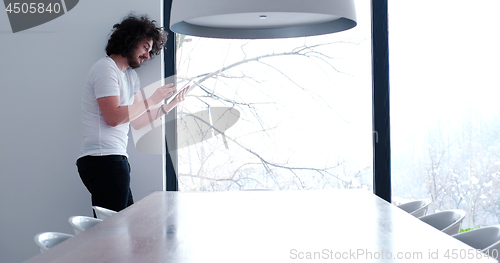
column 127, row 34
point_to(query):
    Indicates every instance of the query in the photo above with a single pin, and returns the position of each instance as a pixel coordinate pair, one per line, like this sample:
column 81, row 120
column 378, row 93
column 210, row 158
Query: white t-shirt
column 105, row 79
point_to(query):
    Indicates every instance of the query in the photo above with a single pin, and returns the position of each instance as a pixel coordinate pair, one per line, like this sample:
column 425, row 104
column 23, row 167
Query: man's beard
column 133, row 63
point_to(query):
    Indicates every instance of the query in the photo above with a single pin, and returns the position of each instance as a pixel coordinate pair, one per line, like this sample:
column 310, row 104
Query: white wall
column 42, row 71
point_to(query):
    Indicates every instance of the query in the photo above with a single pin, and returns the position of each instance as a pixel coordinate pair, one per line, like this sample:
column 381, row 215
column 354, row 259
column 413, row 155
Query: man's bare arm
column 114, row 114
column 155, row 113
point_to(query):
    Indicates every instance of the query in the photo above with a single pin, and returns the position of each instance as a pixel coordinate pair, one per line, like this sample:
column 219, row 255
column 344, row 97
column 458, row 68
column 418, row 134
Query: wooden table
column 261, row 226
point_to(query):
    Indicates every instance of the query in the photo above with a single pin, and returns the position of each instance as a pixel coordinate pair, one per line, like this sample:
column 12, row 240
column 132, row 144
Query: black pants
column 108, row 180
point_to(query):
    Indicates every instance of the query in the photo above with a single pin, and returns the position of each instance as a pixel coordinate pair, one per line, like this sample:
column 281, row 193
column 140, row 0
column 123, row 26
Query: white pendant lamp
column 258, row 19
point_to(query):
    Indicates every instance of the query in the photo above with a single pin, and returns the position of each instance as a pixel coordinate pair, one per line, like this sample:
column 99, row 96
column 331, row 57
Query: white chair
column 486, row 239
column 82, row 223
column 103, row 213
column 47, row 240
column 416, row 208
column 448, row 221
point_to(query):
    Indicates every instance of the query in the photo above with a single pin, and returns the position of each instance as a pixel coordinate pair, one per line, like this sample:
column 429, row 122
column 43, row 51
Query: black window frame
column 380, row 102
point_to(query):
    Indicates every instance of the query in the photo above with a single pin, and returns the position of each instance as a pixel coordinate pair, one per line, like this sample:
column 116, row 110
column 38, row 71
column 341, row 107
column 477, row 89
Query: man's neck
column 121, row 62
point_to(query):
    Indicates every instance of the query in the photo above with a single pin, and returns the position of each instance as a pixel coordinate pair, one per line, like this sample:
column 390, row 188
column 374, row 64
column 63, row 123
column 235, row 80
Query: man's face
column 140, row 53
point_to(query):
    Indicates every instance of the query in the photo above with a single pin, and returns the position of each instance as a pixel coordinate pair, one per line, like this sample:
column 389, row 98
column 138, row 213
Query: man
column 111, row 102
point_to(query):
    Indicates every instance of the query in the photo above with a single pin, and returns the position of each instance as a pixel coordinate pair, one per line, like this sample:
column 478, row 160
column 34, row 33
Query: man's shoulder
column 104, row 62
column 104, row 65
column 132, row 73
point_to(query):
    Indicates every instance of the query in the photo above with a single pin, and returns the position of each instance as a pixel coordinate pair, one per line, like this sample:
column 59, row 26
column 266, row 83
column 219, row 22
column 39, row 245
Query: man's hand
column 180, row 97
column 162, row 93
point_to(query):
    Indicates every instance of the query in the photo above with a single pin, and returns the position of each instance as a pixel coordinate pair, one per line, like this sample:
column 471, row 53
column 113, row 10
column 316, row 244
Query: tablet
column 188, row 85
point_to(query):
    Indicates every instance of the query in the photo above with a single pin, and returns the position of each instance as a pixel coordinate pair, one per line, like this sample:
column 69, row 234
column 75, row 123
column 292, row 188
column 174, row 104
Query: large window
column 445, row 115
column 287, row 114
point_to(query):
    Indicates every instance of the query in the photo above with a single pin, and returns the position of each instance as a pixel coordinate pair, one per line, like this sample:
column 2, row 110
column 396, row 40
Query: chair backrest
column 82, row 223
column 448, row 221
column 487, row 239
column 47, row 240
column 416, row 208
column 103, row 213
